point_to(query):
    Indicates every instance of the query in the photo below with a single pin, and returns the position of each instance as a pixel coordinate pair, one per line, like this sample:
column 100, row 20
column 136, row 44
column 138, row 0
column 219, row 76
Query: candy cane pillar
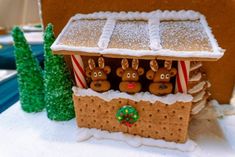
column 78, row 69
column 182, row 77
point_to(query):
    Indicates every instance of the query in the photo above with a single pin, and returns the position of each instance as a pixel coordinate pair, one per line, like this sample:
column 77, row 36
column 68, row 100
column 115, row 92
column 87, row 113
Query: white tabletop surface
column 33, row 135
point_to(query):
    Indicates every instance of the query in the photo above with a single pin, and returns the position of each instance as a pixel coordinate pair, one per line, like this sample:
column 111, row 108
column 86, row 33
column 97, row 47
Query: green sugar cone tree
column 57, row 82
column 30, row 75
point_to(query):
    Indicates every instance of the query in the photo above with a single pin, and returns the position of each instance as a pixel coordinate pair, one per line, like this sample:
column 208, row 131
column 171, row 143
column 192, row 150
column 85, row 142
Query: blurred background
column 26, row 14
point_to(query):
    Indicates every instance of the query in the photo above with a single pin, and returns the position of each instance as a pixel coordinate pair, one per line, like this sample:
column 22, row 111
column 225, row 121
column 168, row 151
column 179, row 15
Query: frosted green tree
column 30, row 75
column 58, row 82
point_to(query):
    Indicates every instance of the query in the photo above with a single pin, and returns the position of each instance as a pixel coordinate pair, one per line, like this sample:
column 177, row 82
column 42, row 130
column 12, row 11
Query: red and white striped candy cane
column 182, row 77
column 78, row 69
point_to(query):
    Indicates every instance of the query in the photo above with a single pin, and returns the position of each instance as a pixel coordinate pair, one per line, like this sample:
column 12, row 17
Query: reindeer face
column 130, row 76
column 98, row 75
column 164, row 75
column 161, row 78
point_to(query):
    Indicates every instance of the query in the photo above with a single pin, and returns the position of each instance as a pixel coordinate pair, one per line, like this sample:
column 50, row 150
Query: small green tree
column 58, row 82
column 30, row 75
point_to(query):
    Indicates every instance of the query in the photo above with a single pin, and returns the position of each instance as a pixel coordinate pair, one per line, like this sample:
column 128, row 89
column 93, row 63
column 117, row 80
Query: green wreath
column 127, row 115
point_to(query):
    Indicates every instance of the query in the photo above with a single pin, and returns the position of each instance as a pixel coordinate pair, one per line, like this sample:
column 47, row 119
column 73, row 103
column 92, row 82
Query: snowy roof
column 157, row 34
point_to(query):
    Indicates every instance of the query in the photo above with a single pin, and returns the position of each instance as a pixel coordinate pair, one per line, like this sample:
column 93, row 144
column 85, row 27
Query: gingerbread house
column 156, row 41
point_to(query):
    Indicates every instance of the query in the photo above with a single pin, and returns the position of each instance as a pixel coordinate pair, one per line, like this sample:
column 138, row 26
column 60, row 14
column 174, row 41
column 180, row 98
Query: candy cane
column 78, row 70
column 182, row 76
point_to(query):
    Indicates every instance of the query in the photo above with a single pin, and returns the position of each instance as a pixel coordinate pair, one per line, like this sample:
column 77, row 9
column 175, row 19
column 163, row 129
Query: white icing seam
column 198, row 107
column 106, row 33
column 196, row 66
column 153, row 25
column 143, row 96
column 199, row 96
column 196, row 77
column 213, row 41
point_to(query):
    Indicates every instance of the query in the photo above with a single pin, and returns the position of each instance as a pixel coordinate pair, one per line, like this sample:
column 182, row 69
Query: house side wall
column 157, row 120
column 219, row 16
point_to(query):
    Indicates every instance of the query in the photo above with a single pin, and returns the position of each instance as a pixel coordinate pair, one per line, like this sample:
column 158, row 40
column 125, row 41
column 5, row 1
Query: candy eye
column 167, row 76
column 95, row 74
column 133, row 75
column 99, row 73
column 162, row 76
column 128, row 75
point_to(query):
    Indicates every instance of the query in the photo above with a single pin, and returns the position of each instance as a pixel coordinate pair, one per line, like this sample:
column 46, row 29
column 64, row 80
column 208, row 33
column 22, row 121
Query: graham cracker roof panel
column 130, row 35
column 81, row 33
column 158, row 34
column 184, row 36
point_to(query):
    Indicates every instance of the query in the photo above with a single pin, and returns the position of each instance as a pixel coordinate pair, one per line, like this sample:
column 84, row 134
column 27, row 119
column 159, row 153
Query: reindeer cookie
column 161, row 78
column 130, row 76
column 98, row 75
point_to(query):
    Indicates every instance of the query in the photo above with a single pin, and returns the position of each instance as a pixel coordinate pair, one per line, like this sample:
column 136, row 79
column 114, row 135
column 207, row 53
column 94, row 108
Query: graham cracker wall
column 220, row 16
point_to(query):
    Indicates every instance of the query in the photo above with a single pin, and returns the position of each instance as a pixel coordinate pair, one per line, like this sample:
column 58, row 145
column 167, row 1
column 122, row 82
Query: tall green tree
column 58, row 82
column 30, row 75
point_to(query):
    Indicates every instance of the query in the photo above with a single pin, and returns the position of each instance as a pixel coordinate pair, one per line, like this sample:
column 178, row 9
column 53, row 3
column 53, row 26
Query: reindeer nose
column 162, row 86
column 97, row 84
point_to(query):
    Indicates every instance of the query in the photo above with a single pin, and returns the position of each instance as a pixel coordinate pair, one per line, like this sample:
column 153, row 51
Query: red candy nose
column 131, row 85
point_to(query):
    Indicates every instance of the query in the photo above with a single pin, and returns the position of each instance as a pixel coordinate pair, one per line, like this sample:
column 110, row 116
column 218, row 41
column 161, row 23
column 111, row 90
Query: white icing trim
column 199, row 96
column 162, row 15
column 196, row 66
column 106, row 33
column 134, row 141
column 138, row 53
column 143, row 96
column 196, row 77
column 154, row 33
column 198, row 107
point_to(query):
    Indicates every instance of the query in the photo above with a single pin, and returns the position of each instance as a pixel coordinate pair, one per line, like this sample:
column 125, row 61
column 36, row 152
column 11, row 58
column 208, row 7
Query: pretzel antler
column 135, row 64
column 91, row 63
column 167, row 64
column 124, row 64
column 101, row 62
column 154, row 65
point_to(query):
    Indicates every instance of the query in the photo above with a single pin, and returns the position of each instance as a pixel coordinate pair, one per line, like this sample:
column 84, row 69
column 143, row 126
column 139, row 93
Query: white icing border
column 142, row 96
column 106, row 33
column 161, row 15
column 134, row 141
column 139, row 53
